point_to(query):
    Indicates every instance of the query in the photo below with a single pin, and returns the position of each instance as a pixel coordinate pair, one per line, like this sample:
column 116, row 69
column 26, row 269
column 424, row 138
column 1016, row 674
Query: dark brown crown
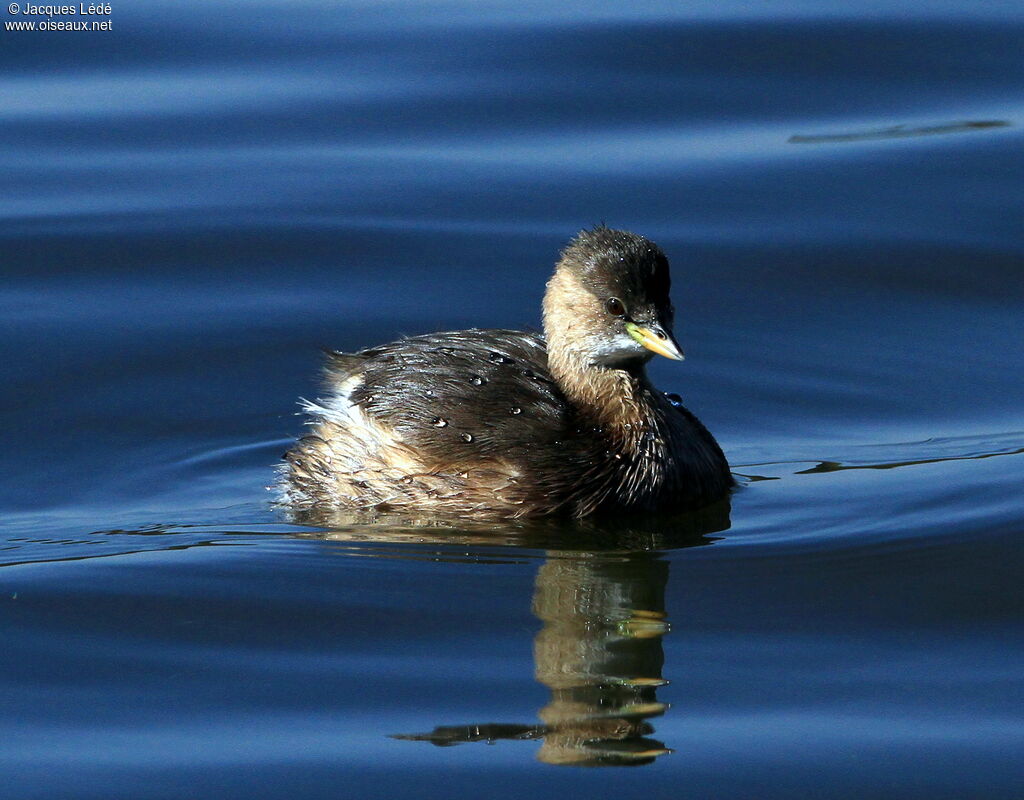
column 619, row 264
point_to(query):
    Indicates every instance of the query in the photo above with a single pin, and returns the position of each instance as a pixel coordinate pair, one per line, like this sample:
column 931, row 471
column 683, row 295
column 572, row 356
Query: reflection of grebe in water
column 599, row 652
column 511, row 424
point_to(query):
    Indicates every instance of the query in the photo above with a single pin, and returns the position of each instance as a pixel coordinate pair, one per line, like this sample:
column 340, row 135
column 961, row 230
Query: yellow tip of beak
column 655, row 339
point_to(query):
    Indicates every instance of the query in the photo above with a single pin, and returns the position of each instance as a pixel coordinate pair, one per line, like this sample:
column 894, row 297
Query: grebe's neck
column 613, row 398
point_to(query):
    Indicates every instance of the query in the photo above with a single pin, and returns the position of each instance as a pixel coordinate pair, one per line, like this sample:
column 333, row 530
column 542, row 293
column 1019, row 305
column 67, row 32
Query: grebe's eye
column 615, row 307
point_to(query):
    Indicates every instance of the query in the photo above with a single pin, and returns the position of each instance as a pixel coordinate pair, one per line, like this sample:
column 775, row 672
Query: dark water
column 196, row 200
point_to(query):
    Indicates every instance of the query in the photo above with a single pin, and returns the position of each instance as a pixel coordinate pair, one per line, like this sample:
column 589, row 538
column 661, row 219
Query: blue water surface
column 198, row 198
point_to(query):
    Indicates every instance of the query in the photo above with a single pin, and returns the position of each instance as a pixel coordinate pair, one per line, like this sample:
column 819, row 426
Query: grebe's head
column 608, row 304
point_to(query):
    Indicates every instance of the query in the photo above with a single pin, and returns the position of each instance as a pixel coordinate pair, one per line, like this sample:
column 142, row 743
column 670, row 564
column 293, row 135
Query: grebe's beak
column 656, row 339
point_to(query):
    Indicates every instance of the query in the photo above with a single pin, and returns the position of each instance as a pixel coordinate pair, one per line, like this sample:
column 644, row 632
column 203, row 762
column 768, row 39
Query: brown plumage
column 506, row 423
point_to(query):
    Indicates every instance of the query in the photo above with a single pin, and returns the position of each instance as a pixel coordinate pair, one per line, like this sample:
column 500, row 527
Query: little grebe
column 514, row 424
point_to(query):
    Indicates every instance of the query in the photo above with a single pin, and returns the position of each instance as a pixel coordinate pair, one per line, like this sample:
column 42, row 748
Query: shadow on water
column 602, row 613
column 836, row 466
column 937, row 450
column 899, row 132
